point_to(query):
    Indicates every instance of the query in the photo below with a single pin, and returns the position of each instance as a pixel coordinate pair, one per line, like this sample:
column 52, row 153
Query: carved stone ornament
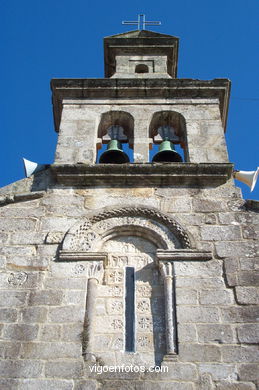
column 88, row 235
column 17, row 278
column 95, row 270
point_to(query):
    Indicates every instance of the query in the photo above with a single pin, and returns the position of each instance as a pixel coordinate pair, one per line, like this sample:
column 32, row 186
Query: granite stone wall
column 43, row 299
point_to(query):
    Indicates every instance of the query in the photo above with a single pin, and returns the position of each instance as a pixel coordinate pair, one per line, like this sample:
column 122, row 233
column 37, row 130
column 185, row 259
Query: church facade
column 125, row 266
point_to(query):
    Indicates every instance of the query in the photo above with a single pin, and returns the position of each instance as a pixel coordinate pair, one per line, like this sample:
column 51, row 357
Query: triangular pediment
column 141, row 34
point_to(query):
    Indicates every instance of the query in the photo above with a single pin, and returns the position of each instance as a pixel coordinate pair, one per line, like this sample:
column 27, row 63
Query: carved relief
column 116, row 324
column 95, row 270
column 115, row 291
column 17, row 279
column 144, row 290
column 143, row 306
column 115, row 307
column 115, row 276
column 79, row 269
column 144, row 341
column 117, row 261
column 144, row 323
column 161, row 229
column 54, row 237
column 117, row 343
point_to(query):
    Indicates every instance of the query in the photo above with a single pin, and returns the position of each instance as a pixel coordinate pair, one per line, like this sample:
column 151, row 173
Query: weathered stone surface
column 215, row 333
column 64, row 369
column 249, row 354
column 69, row 313
column 46, row 297
column 248, row 278
column 20, row 368
column 235, row 386
column 50, row 332
column 85, row 385
column 13, row 298
column 230, row 249
column 248, row 333
column 199, row 353
column 247, row 295
column 219, row 371
column 8, row 315
column 45, row 384
column 249, row 372
column 197, row 314
column 240, row 314
column 34, row 314
column 187, row 332
column 50, row 350
column 22, row 332
column 208, row 205
column 218, row 233
column 9, row 349
column 216, row 297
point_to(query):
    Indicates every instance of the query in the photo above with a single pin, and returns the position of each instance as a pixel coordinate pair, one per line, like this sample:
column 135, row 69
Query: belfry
column 134, row 251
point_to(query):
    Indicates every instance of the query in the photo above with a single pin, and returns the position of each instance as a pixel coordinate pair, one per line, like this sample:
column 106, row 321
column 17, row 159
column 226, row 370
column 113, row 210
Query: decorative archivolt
column 154, row 226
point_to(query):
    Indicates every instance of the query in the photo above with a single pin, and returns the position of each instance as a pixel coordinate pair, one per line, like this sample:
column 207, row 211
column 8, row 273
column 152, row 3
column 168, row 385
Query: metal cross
column 142, row 22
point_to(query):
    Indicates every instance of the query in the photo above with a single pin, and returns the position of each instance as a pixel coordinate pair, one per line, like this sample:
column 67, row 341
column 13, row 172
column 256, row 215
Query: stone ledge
column 14, row 198
column 183, row 255
column 142, row 175
column 139, row 88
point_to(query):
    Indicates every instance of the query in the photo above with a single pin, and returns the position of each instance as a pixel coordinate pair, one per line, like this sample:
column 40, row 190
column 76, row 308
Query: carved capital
column 166, row 269
column 95, row 270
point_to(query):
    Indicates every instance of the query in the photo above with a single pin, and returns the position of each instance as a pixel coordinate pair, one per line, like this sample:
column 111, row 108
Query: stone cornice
column 139, row 88
column 183, row 255
column 140, row 175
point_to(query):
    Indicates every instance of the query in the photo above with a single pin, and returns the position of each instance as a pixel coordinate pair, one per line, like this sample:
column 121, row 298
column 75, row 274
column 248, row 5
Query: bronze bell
column 114, row 154
column 167, row 153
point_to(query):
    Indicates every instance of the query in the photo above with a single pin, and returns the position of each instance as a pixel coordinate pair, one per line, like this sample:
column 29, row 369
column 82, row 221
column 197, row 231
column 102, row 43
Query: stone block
column 176, row 205
column 24, row 332
column 219, row 371
column 9, row 384
column 46, row 297
column 72, row 332
column 20, row 368
column 240, row 314
column 20, row 279
column 30, row 238
column 13, row 298
column 186, row 297
column 76, row 297
column 166, row 386
column 60, row 224
column 197, row 314
column 190, row 219
column 199, row 353
column 231, row 265
column 248, row 278
column 248, row 333
column 249, row 232
column 208, row 205
column 249, row 264
column 215, row 333
column 46, row 384
column 235, row 386
column 239, row 249
column 18, row 224
column 216, row 297
column 19, row 251
column 198, row 282
column 22, row 212
column 85, row 385
column 64, row 369
column 50, row 350
column 67, row 314
column 187, row 332
column 218, row 233
column 9, row 350
column 247, row 295
column 248, row 372
column 34, row 314
column 195, row 268
column 50, row 333
column 246, row 354
column 65, row 283
column 8, row 315
column 28, row 263
column 176, row 371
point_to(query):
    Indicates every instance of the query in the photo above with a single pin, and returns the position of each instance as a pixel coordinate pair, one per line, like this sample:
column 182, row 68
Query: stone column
column 167, row 271
column 95, row 274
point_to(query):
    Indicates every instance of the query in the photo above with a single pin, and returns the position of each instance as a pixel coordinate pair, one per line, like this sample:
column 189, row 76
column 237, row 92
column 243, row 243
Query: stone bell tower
column 123, row 255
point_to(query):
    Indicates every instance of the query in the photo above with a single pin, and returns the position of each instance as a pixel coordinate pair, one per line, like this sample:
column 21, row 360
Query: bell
column 167, row 153
column 114, row 154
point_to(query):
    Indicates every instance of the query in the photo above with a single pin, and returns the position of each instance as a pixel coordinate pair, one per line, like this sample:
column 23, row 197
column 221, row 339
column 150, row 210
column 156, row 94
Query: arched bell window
column 167, row 132
column 115, row 138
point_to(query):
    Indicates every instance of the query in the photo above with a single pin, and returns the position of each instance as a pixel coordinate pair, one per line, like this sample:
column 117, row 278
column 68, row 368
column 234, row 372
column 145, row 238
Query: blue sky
column 45, row 39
